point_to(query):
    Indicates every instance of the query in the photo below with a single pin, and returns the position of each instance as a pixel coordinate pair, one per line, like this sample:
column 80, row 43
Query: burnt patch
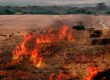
column 95, row 33
column 105, row 41
column 104, row 75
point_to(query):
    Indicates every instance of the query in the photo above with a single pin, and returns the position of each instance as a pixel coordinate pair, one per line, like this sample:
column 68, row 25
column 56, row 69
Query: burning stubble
column 23, row 49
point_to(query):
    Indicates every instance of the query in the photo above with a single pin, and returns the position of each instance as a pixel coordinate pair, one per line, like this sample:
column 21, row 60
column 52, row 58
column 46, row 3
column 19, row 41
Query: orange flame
column 65, row 32
column 51, row 76
column 40, row 64
column 92, row 72
column 61, row 76
column 22, row 49
column 34, row 56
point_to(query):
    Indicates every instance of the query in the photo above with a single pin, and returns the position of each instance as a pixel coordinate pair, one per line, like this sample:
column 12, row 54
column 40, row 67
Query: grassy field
column 42, row 21
column 65, row 60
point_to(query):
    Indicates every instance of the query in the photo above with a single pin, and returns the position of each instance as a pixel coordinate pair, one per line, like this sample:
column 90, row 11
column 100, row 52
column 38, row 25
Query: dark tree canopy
column 54, row 10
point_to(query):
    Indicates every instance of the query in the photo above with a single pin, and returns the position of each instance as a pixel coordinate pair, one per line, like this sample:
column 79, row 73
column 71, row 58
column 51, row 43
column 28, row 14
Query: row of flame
column 49, row 37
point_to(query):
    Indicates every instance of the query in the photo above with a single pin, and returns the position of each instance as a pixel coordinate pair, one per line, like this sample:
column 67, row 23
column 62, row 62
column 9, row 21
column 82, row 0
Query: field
column 45, row 47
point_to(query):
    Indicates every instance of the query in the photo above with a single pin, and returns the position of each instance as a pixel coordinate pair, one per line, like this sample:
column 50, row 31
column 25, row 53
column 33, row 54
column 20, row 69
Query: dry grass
column 72, row 57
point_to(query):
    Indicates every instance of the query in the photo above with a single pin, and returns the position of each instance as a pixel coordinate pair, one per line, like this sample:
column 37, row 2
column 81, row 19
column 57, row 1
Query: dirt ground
column 35, row 21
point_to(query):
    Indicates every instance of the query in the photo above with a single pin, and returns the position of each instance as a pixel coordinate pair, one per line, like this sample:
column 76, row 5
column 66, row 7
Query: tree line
column 101, row 8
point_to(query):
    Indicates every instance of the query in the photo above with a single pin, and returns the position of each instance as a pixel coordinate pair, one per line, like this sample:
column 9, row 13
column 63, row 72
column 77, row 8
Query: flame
column 92, row 72
column 20, row 49
column 34, row 56
column 65, row 32
column 61, row 76
column 49, row 37
column 41, row 63
column 51, row 76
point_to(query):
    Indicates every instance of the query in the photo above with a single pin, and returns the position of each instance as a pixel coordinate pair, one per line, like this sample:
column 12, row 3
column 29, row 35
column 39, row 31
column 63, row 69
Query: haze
column 59, row 1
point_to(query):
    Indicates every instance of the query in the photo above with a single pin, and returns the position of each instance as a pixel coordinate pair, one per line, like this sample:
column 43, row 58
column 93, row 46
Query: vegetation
column 101, row 8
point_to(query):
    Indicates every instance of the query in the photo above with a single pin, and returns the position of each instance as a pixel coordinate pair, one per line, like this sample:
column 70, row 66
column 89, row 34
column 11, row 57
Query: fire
column 52, row 76
column 34, row 56
column 40, row 64
column 21, row 49
column 92, row 72
column 65, row 32
column 39, row 39
column 61, row 76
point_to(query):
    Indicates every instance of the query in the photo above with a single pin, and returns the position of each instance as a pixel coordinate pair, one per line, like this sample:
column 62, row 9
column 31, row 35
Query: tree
column 101, row 6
